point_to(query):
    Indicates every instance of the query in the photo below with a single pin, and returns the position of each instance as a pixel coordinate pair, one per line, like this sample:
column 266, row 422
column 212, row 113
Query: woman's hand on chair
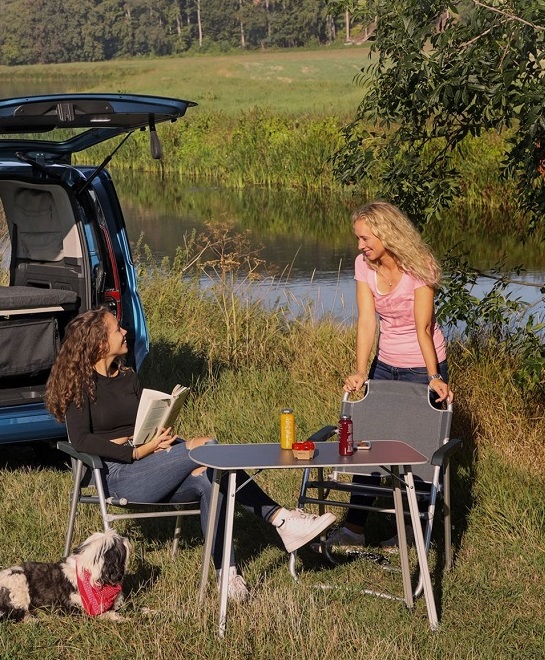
column 354, row 382
column 442, row 390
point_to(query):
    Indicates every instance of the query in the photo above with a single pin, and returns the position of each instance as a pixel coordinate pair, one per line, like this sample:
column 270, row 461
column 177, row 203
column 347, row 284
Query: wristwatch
column 434, row 376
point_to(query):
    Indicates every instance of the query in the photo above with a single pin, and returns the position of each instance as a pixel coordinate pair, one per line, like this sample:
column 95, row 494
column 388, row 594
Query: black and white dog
column 88, row 580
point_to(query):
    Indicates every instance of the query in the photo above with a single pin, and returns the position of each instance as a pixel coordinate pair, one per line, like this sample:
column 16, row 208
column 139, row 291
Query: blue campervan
column 63, row 242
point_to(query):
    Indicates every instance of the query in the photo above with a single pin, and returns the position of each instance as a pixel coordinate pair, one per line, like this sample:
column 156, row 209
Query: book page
column 147, row 398
column 157, row 410
column 176, row 403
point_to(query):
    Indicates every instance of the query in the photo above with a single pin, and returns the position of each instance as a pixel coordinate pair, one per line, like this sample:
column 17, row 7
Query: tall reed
column 261, row 148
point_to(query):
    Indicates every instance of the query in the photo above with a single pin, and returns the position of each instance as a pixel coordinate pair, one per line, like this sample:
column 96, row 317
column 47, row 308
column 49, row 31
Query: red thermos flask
column 346, row 437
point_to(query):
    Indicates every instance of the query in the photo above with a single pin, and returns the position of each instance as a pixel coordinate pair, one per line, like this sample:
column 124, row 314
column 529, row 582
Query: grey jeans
column 166, row 476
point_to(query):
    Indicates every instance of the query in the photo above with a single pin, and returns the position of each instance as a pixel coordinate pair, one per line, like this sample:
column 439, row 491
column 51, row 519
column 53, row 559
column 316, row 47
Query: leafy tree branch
column 444, row 72
column 508, row 15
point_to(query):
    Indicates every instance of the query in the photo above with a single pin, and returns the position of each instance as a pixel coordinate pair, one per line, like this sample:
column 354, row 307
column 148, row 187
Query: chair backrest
column 398, row 410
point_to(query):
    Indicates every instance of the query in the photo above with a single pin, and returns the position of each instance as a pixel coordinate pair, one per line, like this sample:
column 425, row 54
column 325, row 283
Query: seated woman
column 98, row 397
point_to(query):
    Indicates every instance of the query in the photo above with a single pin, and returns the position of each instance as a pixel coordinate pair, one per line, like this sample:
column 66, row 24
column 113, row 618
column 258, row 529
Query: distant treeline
column 52, row 31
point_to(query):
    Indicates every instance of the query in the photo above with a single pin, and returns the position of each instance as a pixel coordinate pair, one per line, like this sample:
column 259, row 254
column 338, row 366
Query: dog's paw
column 148, row 611
column 29, row 618
column 113, row 616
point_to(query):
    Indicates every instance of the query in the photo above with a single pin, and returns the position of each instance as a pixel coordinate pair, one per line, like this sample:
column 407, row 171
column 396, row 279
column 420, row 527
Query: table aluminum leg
column 421, row 549
column 227, row 545
column 210, row 529
column 402, row 539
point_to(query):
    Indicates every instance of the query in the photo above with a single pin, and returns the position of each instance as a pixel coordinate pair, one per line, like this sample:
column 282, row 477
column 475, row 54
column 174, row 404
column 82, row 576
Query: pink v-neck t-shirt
column 398, row 343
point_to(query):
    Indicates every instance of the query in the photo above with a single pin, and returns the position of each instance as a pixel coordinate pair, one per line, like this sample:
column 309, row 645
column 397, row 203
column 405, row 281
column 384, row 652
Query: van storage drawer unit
column 28, row 345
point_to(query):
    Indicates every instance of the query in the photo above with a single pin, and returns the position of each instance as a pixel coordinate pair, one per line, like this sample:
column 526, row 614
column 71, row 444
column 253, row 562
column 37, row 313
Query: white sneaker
column 296, row 528
column 392, row 545
column 342, row 537
column 237, row 589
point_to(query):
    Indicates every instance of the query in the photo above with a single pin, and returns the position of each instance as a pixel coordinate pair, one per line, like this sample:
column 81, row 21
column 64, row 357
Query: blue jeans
column 166, row 476
column 382, row 371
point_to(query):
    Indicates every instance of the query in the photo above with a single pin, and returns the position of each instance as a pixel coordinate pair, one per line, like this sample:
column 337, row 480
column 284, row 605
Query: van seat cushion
column 27, row 297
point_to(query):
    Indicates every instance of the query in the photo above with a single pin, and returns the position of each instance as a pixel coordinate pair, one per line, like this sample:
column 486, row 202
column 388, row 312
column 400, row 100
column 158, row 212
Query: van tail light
column 112, row 299
column 112, row 292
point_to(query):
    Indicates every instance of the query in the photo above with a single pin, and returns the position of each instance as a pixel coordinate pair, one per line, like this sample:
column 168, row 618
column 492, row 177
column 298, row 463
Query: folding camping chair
column 87, row 472
column 393, row 410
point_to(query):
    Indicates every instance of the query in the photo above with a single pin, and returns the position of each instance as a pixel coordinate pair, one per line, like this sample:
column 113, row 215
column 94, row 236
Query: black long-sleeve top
column 113, row 415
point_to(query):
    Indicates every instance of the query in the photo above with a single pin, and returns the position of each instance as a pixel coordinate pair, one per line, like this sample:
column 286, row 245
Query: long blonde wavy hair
column 401, row 239
column 72, row 376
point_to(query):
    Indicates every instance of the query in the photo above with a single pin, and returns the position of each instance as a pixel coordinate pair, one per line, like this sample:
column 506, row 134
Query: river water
column 305, row 239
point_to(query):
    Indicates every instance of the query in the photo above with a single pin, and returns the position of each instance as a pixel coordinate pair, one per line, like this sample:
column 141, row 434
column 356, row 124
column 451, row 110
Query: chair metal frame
column 87, row 472
column 436, row 474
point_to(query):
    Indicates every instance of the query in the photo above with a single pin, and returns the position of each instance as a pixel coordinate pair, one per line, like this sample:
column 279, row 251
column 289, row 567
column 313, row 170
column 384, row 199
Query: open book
column 157, row 410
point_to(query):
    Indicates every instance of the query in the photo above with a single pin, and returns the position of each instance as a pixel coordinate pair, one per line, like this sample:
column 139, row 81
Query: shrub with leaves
column 498, row 322
column 446, row 71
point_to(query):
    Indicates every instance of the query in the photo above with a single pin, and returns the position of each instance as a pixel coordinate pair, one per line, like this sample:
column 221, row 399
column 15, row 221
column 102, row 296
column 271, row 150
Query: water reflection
column 295, row 231
column 306, row 237
column 303, row 231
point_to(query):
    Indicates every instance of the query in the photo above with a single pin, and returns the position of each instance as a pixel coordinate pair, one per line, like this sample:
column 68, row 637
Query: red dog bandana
column 96, row 598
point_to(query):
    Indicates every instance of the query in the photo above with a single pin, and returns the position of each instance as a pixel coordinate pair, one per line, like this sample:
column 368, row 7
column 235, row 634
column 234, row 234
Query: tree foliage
column 48, row 31
column 444, row 71
column 498, row 322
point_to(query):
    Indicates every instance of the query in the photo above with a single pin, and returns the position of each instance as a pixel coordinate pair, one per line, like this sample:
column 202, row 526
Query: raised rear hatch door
column 83, row 119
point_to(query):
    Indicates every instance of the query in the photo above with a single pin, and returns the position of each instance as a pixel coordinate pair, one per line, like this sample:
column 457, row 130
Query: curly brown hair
column 72, row 375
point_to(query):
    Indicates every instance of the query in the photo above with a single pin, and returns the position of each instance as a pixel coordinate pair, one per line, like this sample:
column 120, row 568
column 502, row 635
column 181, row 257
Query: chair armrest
column 439, row 455
column 91, row 460
column 323, row 434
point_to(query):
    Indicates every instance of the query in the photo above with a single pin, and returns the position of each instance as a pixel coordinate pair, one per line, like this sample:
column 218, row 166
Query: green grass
column 298, row 82
column 264, row 118
column 245, row 365
column 491, row 604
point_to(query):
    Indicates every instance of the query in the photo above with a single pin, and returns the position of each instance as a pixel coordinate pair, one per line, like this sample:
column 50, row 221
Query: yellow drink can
column 287, row 428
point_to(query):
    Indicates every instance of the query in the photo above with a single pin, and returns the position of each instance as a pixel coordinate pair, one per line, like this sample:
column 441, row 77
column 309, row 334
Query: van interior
column 44, row 281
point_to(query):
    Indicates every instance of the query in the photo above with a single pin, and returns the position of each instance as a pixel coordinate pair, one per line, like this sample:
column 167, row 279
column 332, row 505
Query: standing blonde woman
column 396, row 276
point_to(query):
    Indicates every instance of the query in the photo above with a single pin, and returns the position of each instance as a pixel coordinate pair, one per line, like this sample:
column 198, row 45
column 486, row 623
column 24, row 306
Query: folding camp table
column 389, row 454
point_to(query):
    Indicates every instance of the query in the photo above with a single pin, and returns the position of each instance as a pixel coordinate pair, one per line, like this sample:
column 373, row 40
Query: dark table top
column 270, row 455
